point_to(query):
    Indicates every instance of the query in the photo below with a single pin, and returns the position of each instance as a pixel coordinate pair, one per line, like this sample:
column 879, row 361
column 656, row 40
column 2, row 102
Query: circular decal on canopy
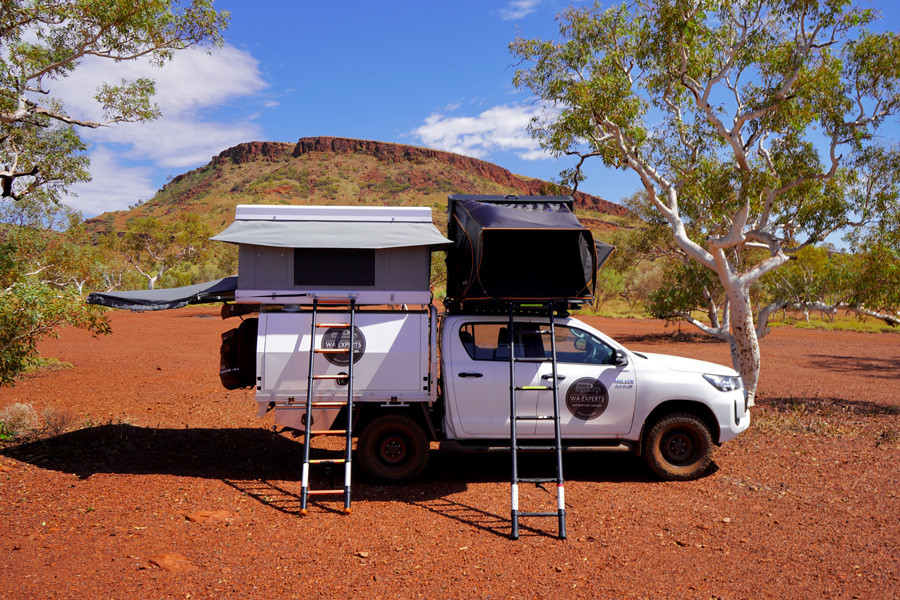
column 587, row 398
column 338, row 338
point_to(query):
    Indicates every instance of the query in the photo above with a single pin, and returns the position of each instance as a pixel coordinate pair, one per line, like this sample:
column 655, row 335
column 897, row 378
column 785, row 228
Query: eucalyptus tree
column 42, row 154
column 751, row 126
column 43, row 41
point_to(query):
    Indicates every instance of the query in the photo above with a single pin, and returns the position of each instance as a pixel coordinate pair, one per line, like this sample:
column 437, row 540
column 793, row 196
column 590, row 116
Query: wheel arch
column 417, row 411
column 699, row 409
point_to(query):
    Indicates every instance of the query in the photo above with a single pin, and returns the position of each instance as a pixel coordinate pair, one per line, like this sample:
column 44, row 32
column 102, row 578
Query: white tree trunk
column 745, row 354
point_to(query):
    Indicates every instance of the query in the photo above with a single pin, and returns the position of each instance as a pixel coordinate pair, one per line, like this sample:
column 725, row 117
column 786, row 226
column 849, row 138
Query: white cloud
column 171, row 143
column 501, row 128
column 114, row 186
column 195, row 78
column 189, row 90
column 518, row 9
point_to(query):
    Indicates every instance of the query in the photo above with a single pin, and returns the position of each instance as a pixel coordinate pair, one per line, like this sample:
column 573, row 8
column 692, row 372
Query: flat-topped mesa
column 389, row 152
column 398, row 153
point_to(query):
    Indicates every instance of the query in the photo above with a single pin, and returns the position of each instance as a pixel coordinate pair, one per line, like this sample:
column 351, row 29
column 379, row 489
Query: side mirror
column 621, row 359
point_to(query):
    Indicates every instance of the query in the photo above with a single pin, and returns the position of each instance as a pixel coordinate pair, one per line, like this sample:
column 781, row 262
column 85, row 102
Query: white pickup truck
column 669, row 410
column 419, row 377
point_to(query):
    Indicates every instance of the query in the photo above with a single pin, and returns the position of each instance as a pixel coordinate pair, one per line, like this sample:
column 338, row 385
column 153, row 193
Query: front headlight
column 724, row 383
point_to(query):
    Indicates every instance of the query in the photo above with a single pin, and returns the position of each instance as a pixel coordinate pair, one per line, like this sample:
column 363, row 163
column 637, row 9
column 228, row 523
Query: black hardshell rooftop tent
column 519, row 248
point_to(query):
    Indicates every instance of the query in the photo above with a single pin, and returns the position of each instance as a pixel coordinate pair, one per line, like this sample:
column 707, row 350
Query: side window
column 490, row 341
column 578, row 346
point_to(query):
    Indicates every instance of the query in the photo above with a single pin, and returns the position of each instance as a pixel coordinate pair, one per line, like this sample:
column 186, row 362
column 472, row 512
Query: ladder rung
column 328, row 404
column 534, row 479
column 329, row 432
column 324, row 492
column 534, row 359
column 534, row 514
column 344, row 376
column 536, row 448
column 535, row 418
column 330, row 461
column 331, row 350
column 531, row 388
column 346, row 325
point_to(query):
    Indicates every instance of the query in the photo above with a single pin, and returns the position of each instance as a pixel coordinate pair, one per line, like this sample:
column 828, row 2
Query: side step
column 497, row 447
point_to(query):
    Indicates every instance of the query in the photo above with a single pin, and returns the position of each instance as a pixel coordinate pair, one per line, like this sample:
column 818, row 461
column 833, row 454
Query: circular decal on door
column 338, row 338
column 587, row 399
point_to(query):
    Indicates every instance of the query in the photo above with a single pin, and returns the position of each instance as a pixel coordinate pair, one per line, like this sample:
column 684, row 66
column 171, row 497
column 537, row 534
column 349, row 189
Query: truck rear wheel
column 678, row 447
column 393, row 448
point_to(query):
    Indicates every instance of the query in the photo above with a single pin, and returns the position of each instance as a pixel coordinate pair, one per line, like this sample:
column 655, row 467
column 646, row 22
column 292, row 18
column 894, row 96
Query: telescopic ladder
column 305, row 492
column 514, row 446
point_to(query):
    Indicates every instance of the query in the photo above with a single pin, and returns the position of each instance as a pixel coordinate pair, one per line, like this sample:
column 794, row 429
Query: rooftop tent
column 219, row 290
column 519, row 248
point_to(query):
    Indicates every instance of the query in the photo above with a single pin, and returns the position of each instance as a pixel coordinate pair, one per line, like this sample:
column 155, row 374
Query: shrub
column 17, row 419
column 56, row 421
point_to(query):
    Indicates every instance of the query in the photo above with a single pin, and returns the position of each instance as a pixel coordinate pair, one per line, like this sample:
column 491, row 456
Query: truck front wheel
column 392, row 448
column 678, row 447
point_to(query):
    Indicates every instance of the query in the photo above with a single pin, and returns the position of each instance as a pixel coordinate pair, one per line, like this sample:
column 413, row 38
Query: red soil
column 168, row 486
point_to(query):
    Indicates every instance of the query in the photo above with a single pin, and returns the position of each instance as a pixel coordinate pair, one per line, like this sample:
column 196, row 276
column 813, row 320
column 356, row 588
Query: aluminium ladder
column 347, row 432
column 514, row 446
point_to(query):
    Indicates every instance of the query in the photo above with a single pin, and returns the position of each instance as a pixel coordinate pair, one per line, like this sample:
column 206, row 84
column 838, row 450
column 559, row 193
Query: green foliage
column 754, row 131
column 46, row 259
column 154, row 248
column 30, row 311
column 45, row 41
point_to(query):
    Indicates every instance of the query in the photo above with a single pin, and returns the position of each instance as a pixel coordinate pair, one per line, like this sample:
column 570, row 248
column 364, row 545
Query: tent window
column 334, row 267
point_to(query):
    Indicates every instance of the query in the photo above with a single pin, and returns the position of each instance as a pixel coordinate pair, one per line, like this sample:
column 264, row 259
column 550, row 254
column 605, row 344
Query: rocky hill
column 339, row 171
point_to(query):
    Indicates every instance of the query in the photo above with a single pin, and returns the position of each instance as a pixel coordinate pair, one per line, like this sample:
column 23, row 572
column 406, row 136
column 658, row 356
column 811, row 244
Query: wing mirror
column 620, row 359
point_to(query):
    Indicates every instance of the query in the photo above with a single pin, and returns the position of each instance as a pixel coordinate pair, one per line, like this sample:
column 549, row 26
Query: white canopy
column 333, row 227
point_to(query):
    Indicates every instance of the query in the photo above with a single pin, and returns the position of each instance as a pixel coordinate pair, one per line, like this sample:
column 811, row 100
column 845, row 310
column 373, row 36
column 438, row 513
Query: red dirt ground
column 167, row 486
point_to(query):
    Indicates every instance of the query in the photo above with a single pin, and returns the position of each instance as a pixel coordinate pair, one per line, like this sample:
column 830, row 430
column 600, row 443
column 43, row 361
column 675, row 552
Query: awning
column 604, row 251
column 333, row 234
column 200, row 293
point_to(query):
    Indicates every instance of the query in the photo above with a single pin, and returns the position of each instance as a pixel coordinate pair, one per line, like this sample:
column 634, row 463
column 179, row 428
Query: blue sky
column 434, row 74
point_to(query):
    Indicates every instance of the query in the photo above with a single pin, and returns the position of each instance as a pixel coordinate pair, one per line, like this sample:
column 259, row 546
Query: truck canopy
column 520, row 248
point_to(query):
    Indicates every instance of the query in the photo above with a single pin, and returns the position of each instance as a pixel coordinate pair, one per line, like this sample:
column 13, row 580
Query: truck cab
column 608, row 395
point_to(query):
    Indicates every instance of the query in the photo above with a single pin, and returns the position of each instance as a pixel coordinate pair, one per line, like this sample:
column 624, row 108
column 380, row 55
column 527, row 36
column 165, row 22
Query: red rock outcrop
column 389, row 152
column 254, row 151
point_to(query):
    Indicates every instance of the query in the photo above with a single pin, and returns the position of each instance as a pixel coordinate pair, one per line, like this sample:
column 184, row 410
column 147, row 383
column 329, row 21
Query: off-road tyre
column 392, row 449
column 678, row 447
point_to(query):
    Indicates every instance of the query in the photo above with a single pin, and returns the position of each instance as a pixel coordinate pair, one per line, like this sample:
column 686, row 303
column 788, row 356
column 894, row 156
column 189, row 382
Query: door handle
column 558, row 376
column 471, row 375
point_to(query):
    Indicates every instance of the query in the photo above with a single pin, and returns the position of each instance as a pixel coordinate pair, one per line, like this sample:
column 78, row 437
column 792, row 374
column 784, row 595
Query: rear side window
column 490, row 341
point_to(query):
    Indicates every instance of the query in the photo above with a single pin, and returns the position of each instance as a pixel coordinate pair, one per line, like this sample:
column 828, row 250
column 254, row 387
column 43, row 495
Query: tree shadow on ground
column 675, row 337
column 266, row 467
column 877, row 368
column 828, row 406
column 601, row 466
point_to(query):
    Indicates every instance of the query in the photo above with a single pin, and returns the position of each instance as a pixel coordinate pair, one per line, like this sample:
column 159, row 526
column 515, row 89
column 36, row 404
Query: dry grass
column 17, row 420
column 828, row 418
column 56, row 421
